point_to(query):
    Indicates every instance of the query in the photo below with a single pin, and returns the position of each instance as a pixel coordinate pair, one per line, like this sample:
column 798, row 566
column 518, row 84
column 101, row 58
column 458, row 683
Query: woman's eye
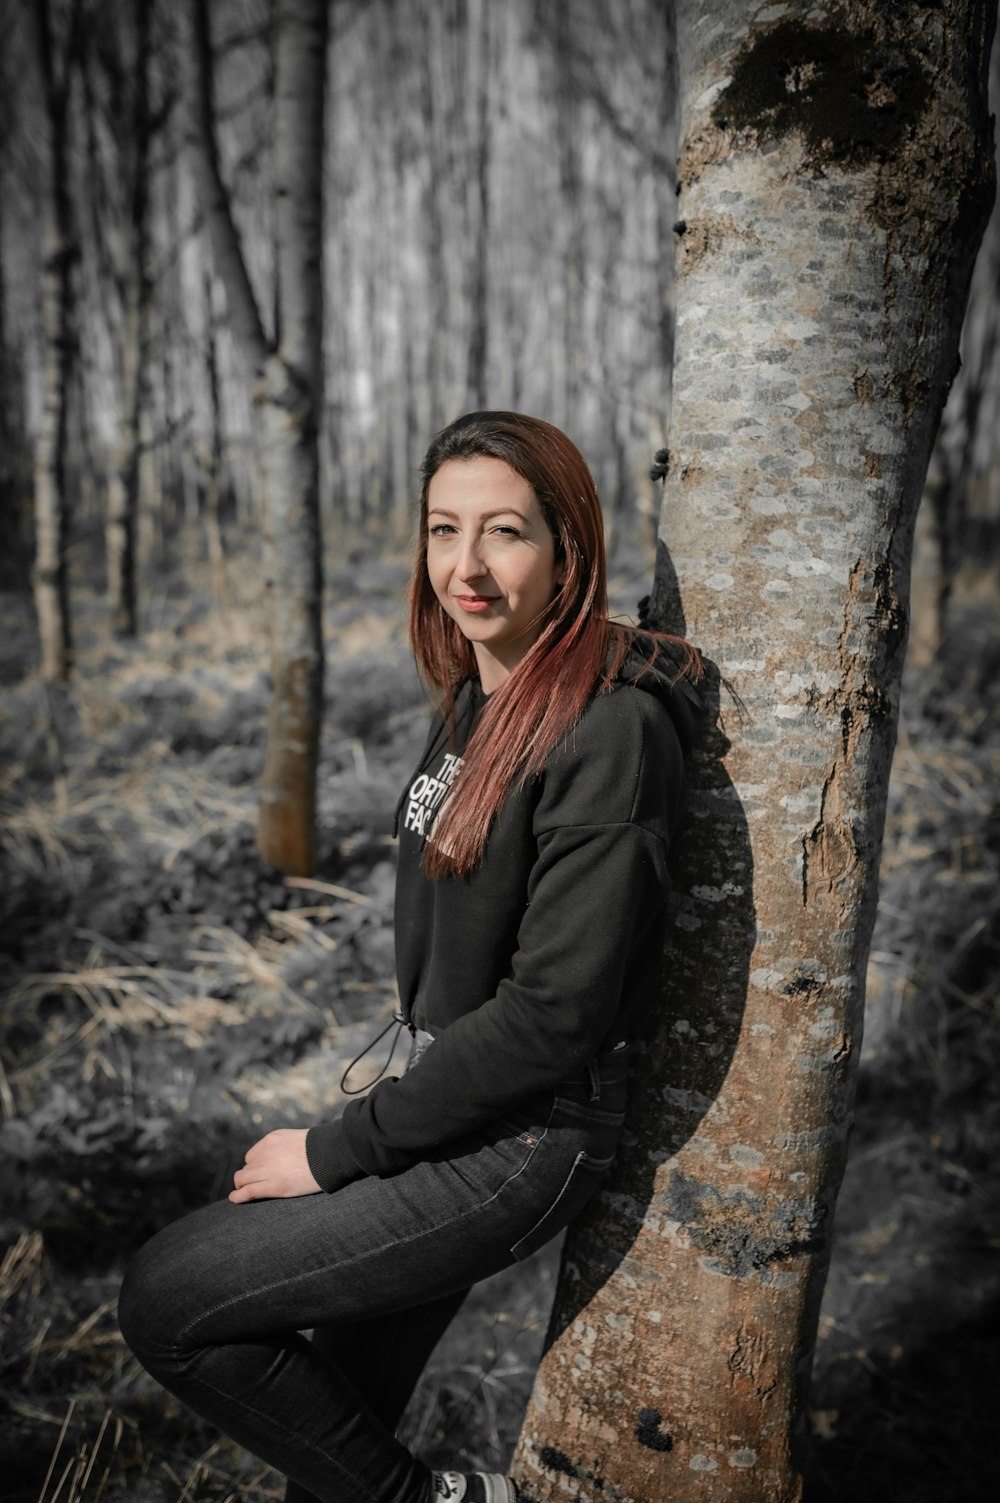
column 506, row 531
column 441, row 529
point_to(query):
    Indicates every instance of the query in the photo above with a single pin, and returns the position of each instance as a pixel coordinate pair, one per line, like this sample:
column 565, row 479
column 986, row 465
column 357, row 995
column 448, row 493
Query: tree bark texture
column 60, row 252
column 288, row 395
column 835, row 175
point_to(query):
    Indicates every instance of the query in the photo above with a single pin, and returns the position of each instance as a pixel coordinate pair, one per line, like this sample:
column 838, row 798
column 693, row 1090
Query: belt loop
column 595, row 1080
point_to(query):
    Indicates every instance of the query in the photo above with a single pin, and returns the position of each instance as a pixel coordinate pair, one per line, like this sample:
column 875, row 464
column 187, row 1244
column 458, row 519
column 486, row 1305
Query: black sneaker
column 473, row 1487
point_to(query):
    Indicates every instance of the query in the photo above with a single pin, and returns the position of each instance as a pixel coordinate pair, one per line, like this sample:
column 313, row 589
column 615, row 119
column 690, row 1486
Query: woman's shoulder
column 623, row 756
column 622, row 717
column 628, row 722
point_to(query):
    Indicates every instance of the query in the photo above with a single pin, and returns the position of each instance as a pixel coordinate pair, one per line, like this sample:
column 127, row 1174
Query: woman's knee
column 183, row 1275
column 146, row 1309
column 163, row 1293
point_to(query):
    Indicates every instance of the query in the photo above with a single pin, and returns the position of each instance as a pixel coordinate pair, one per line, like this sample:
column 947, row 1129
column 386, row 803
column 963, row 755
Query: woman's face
column 490, row 559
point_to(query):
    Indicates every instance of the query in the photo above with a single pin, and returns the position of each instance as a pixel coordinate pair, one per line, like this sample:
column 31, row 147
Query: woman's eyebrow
column 486, row 516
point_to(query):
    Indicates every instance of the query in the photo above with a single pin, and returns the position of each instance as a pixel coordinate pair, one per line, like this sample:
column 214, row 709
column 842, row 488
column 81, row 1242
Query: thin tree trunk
column 478, row 106
column 174, row 341
column 566, row 393
column 434, row 128
column 244, row 314
column 449, row 27
column 14, row 513
column 968, row 427
column 123, row 489
column 214, row 452
column 60, row 252
column 294, row 386
column 395, row 401
column 288, row 381
column 824, row 261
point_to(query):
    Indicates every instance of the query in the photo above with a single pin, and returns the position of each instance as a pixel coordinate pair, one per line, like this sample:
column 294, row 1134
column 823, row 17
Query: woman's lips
column 476, row 603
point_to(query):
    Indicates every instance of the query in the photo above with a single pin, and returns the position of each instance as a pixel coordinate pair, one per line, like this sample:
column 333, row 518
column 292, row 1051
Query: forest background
column 498, row 230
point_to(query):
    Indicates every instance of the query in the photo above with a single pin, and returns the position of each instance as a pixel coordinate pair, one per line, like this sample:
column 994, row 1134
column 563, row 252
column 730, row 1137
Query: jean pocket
column 573, row 1113
column 530, row 1120
column 582, row 1181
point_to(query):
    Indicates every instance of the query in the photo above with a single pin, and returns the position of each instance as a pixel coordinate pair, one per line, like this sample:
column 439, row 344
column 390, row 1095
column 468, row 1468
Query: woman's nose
column 470, row 562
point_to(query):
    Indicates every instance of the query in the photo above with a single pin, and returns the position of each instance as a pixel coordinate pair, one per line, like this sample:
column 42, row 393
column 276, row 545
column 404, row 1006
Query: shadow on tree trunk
column 615, row 1264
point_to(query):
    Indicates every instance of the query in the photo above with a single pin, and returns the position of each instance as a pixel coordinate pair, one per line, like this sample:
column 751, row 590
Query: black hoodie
column 550, row 950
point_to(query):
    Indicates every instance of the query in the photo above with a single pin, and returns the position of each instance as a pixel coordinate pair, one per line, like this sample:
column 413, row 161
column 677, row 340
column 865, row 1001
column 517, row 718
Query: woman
column 533, row 844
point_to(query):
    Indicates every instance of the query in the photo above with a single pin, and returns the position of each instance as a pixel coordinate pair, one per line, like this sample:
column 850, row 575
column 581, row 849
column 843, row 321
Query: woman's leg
column 387, row 1355
column 385, row 1358
column 215, row 1305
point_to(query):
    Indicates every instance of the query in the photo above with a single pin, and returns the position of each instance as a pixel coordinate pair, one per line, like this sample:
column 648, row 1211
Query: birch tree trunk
column 288, row 376
column 60, row 252
column 835, row 176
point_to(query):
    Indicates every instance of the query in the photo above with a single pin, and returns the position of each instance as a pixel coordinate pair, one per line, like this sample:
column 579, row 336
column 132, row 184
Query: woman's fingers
column 275, row 1166
column 249, row 1186
column 247, row 1193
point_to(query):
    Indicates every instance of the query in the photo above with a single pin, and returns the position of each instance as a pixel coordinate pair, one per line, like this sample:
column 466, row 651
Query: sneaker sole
column 498, row 1489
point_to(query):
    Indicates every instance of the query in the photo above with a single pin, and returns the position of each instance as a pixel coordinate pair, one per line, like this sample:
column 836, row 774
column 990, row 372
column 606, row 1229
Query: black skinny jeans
column 215, row 1305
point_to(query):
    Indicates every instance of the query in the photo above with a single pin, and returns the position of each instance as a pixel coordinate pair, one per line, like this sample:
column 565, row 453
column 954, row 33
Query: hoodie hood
column 664, row 677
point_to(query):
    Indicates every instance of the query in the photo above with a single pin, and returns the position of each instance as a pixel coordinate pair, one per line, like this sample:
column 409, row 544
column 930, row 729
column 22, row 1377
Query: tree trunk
column 244, row 314
column 123, row 487
column 292, row 405
column 567, row 337
column 435, row 247
column 60, row 252
column 213, row 452
column 478, row 181
column 968, row 441
column 836, row 176
column 288, row 380
column 15, row 519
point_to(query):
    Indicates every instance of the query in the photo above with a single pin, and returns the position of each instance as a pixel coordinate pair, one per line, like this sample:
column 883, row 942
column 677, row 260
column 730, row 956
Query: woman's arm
column 592, row 928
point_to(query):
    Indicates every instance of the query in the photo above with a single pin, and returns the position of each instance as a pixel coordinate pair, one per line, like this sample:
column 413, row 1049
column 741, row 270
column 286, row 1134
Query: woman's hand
column 276, row 1166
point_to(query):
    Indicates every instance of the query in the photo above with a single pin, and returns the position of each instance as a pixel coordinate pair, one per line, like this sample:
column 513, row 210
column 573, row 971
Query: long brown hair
column 578, row 651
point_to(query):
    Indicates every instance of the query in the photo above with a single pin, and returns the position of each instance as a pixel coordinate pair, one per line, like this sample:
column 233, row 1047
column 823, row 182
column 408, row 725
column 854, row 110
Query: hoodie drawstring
column 397, row 1021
